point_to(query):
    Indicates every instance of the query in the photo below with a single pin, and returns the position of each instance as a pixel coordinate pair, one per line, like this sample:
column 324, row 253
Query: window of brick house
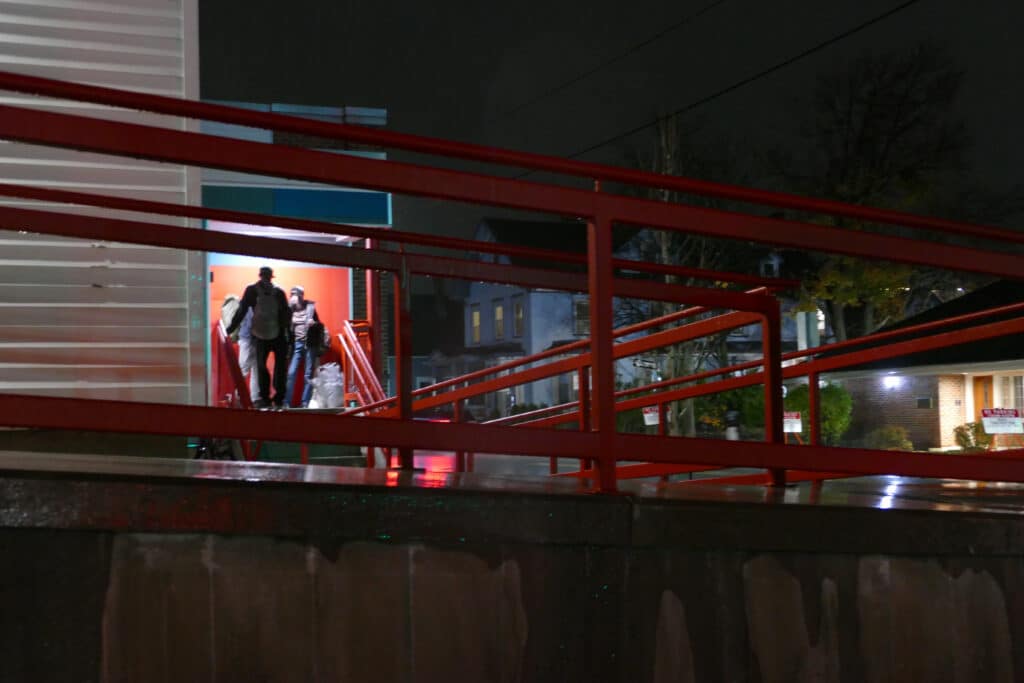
column 499, row 319
column 581, row 317
column 1012, row 392
column 518, row 316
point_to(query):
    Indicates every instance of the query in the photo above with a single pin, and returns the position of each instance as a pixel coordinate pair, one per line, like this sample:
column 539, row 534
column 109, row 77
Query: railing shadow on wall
column 598, row 442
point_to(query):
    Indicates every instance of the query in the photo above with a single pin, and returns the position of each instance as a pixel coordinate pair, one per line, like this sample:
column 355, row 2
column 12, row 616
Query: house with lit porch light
column 931, row 393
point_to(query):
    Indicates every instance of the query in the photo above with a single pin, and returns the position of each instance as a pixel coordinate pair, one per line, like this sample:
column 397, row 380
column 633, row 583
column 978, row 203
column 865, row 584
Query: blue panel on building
column 339, row 206
column 251, row 199
column 334, row 205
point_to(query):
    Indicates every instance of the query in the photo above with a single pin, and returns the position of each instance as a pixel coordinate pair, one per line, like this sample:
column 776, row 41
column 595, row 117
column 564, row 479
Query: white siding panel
column 86, row 353
column 28, row 274
column 92, row 333
column 26, row 375
column 85, row 109
column 172, row 317
column 127, row 391
column 83, row 318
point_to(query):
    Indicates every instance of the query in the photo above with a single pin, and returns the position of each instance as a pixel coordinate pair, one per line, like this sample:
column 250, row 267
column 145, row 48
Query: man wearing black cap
column 271, row 326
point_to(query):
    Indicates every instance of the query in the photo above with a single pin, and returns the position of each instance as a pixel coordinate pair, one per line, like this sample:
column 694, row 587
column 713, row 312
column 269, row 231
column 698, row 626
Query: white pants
column 247, row 361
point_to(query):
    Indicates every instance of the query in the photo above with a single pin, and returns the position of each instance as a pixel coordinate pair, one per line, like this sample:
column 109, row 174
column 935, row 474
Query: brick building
column 931, row 393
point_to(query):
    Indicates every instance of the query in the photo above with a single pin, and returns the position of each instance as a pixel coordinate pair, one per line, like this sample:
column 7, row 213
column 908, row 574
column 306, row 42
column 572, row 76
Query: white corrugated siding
column 98, row 319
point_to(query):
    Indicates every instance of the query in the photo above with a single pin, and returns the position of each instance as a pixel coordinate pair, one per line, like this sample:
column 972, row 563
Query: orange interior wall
column 328, row 287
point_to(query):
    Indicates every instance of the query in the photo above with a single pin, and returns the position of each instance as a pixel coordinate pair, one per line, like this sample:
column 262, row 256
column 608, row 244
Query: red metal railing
column 235, row 385
column 598, row 441
column 358, row 372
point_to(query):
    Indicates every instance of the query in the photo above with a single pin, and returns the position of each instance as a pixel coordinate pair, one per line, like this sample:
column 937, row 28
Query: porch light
column 892, row 381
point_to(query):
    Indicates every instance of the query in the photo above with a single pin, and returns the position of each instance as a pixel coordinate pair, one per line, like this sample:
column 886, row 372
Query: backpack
column 266, row 318
column 227, row 312
column 318, row 338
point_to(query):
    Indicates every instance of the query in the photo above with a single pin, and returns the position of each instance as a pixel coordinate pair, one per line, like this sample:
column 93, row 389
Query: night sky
column 479, row 72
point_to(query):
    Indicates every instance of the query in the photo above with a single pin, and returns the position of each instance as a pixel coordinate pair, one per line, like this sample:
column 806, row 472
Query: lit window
column 518, row 317
column 474, row 323
column 581, row 317
column 499, row 319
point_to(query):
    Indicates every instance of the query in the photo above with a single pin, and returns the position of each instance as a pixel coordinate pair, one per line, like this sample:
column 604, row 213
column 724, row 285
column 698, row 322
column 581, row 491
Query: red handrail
column 562, row 350
column 598, row 440
column 835, row 346
column 230, row 357
column 460, row 150
column 388, row 235
column 369, row 389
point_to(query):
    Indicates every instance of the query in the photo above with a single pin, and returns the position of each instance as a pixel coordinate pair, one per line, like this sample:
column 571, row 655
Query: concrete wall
column 121, row 578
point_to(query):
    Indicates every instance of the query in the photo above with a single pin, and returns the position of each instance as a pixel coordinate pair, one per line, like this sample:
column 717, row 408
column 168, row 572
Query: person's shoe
column 261, row 404
column 278, row 406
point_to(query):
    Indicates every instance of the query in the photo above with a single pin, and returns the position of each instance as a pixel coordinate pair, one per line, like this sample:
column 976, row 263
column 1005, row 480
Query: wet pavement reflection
column 530, row 475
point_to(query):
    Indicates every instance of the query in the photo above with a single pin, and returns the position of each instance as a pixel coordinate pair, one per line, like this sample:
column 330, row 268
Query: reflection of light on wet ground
column 433, row 479
column 490, row 464
column 892, row 489
column 435, row 469
column 434, row 461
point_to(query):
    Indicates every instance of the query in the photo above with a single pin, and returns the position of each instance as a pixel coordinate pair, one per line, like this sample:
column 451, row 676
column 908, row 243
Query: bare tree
column 882, row 131
column 675, row 153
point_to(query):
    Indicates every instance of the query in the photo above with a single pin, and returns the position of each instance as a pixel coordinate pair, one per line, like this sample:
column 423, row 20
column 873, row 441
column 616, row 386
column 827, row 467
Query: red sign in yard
column 651, row 416
column 1002, row 421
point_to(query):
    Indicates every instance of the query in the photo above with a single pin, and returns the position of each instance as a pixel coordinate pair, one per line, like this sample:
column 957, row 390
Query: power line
column 617, row 58
column 750, row 79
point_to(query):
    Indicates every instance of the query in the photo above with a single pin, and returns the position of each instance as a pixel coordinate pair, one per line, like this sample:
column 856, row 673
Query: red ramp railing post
column 583, row 375
column 403, row 359
column 771, row 333
column 373, row 317
column 460, row 456
column 602, row 390
column 814, row 408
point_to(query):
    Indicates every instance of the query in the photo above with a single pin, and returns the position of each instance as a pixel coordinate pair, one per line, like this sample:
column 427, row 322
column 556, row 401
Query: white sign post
column 1001, row 421
column 651, row 416
column 792, row 423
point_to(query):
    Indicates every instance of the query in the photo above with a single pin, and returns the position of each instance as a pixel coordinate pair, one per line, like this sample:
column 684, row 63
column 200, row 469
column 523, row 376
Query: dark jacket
column 284, row 311
column 301, row 323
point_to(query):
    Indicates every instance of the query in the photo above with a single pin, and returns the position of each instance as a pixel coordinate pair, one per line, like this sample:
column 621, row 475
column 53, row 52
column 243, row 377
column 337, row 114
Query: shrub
column 834, row 414
column 749, row 401
column 972, row 437
column 526, row 408
column 630, row 422
column 888, row 438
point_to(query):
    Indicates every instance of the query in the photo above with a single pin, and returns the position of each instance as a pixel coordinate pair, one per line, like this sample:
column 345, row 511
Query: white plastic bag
column 328, row 387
